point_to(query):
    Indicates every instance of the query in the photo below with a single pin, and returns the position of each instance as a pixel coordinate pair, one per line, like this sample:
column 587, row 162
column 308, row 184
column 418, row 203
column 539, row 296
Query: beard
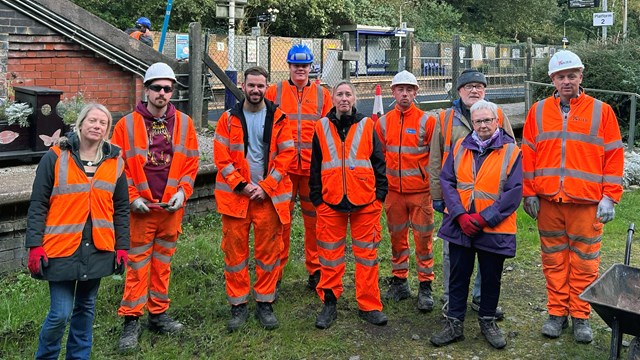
column 252, row 102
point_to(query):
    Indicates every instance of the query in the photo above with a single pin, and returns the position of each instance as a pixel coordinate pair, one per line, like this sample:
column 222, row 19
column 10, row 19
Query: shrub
column 68, row 108
column 13, row 112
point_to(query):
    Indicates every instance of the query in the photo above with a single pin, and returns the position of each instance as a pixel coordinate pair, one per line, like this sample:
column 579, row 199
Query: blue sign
column 182, row 46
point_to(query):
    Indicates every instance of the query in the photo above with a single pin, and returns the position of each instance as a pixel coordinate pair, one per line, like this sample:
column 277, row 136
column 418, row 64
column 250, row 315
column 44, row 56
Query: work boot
column 452, row 331
column 264, row 314
column 239, row 315
column 164, row 324
column 475, row 306
column 582, row 330
column 329, row 313
column 375, row 317
column 553, row 326
column 130, row 334
column 425, row 300
column 398, row 290
column 492, row 332
column 314, row 279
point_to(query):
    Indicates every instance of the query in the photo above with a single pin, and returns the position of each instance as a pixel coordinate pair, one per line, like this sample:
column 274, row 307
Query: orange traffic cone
column 378, row 108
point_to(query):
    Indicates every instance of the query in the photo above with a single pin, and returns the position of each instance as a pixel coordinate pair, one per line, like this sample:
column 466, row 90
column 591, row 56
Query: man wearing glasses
column 160, row 149
column 454, row 124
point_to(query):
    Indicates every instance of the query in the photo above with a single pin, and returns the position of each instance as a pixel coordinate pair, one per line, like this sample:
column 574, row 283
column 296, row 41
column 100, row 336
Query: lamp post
column 565, row 41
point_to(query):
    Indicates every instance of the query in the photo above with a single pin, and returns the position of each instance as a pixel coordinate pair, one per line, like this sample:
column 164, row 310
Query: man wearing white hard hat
column 573, row 161
column 160, row 149
column 405, row 133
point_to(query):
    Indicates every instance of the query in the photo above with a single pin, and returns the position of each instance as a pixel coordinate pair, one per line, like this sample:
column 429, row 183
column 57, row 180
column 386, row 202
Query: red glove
column 468, row 225
column 37, row 260
column 479, row 220
column 121, row 261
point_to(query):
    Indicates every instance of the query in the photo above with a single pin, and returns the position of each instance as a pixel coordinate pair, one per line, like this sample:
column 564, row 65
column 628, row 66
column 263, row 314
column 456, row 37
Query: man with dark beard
column 253, row 148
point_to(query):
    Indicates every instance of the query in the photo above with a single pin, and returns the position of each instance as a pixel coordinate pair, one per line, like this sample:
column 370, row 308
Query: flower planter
column 46, row 124
column 14, row 138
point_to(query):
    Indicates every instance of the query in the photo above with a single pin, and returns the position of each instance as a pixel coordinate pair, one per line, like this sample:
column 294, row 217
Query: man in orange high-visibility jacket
column 142, row 31
column 160, row 149
column 405, row 133
column 304, row 102
column 573, row 161
column 253, row 148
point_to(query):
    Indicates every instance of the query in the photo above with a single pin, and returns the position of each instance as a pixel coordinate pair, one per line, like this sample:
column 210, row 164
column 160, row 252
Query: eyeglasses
column 486, row 121
column 478, row 87
column 157, row 88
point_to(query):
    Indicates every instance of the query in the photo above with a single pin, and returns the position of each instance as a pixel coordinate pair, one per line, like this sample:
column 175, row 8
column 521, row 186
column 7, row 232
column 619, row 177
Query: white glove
column 531, row 206
column 176, row 201
column 606, row 211
column 138, row 205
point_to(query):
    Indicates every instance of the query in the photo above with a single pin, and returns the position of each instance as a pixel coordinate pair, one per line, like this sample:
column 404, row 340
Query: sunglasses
column 157, row 88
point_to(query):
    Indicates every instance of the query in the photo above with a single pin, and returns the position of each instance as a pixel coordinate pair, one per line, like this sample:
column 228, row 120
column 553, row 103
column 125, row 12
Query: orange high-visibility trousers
column 153, row 243
column 570, row 237
column 301, row 189
column 413, row 211
column 365, row 238
column 267, row 235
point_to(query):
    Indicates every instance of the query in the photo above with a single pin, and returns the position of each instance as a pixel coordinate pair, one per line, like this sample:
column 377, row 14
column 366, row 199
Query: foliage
column 69, row 108
column 14, row 112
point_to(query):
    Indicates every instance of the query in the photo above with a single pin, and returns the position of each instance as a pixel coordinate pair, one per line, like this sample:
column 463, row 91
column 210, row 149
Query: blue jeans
column 72, row 302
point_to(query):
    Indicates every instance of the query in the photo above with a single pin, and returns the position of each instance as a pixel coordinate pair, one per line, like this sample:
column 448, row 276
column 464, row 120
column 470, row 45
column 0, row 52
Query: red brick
column 46, row 67
column 30, row 67
column 45, row 82
column 58, row 74
column 74, row 66
column 59, row 60
column 32, row 54
column 73, row 81
column 45, row 60
column 60, row 82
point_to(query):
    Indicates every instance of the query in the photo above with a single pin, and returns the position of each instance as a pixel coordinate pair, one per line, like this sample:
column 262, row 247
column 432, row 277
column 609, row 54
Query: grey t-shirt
column 255, row 154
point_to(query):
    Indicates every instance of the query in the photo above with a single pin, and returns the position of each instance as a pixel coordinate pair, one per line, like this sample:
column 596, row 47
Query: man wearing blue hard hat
column 142, row 31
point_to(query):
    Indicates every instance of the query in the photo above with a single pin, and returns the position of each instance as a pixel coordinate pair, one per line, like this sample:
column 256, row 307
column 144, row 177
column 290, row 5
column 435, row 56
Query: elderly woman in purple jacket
column 482, row 187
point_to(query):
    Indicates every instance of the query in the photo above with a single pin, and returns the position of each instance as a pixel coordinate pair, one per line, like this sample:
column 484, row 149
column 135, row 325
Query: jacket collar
column 72, row 142
column 412, row 110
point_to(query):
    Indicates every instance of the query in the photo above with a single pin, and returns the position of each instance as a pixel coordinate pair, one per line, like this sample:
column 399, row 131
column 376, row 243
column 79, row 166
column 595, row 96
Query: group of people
column 295, row 140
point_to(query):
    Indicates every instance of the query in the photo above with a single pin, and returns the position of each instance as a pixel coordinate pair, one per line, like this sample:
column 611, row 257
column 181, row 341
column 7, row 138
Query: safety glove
column 139, row 206
column 531, row 206
column 468, row 225
column 479, row 220
column 37, row 260
column 438, row 205
column 176, row 201
column 121, row 261
column 606, row 211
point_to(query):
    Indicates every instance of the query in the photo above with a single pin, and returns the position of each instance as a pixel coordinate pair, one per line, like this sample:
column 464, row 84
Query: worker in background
column 348, row 186
column 142, row 31
column 452, row 125
column 160, row 149
column 405, row 133
column 481, row 184
column 304, row 102
column 573, row 161
column 253, row 148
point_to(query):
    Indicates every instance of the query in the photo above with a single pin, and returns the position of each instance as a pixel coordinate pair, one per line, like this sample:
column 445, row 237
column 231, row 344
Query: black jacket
column 86, row 262
column 377, row 162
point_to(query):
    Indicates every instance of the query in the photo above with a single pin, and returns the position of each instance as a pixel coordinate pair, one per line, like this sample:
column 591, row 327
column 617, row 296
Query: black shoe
column 329, row 313
column 425, row 299
column 492, row 332
column 264, row 314
column 554, row 325
column 375, row 317
column 164, row 324
column 314, row 279
column 582, row 330
column 398, row 290
column 130, row 334
column 239, row 315
column 452, row 331
column 475, row 306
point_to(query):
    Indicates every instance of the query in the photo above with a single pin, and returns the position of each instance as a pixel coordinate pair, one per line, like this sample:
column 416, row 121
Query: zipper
column 344, row 172
column 563, row 145
column 400, row 150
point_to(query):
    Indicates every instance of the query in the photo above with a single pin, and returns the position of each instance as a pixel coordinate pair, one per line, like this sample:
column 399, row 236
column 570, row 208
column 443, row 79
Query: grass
column 199, row 300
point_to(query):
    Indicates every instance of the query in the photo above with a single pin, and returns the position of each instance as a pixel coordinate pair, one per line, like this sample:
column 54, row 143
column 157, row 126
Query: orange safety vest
column 579, row 153
column 73, row 199
column 233, row 168
column 346, row 166
column 406, row 137
column 136, row 35
column 130, row 133
column 303, row 112
column 481, row 188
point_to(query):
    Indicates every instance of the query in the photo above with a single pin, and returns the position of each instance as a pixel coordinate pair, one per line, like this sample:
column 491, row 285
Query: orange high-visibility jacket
column 303, row 112
column 229, row 148
column 136, row 35
column 346, row 166
column 130, row 133
column 68, row 211
column 406, row 137
column 580, row 154
column 482, row 188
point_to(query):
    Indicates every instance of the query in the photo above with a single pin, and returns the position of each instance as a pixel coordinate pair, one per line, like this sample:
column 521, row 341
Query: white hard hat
column 159, row 70
column 404, row 78
column 564, row 60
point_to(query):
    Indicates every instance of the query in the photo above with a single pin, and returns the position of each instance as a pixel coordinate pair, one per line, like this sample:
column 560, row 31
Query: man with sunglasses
column 160, row 149
column 454, row 124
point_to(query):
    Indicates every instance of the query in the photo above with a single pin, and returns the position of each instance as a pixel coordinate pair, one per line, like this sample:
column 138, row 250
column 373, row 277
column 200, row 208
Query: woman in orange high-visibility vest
column 482, row 187
column 77, row 229
column 348, row 184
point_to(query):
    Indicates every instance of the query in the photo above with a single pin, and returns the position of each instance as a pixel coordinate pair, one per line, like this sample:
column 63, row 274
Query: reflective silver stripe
column 132, row 152
column 511, row 148
column 551, row 233
column 464, row 186
column 131, row 304
column 585, row 256
column 157, row 295
column 423, row 228
column 358, row 163
column 447, row 123
column 172, row 182
column 137, row 265
column 63, row 229
column 227, row 170
column 397, row 227
column 596, row 117
column 162, row 257
column 268, row 267
column 331, row 245
column 413, row 150
column 236, row 147
column 554, row 249
column 326, row 165
column 423, row 128
column 424, row 270
column 446, row 148
column 402, row 253
column 184, row 127
column 402, row 266
column 286, row 197
column 140, row 249
column 165, row 244
column 285, row 145
column 320, row 101
column 278, row 98
column 331, row 263
column 302, row 117
column 528, row 175
column 130, row 182
column 333, row 151
column 613, row 145
column 275, row 174
column 403, row 172
column 366, row 262
column 142, row 186
column 193, row 153
column 357, row 138
column 102, row 224
column 529, row 144
column 365, row 244
column 383, row 127
column 221, row 139
column 305, row 145
column 236, row 268
column 104, row 185
column 585, row 240
column 264, row 297
column 539, row 108
column 457, row 158
column 579, row 174
column 223, row 186
column 187, row 179
column 238, row 300
column 426, row 257
column 613, row 179
column 553, row 135
column 70, row 189
column 484, row 195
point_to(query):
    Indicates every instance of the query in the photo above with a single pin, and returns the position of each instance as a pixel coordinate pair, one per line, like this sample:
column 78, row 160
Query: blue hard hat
column 144, row 21
column 300, row 54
